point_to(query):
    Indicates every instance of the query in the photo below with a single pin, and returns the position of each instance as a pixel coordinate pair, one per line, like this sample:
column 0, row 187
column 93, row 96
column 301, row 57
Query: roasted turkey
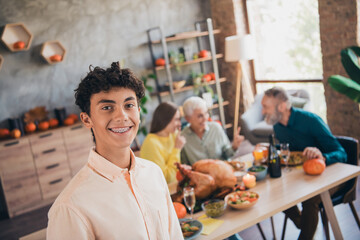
column 206, row 176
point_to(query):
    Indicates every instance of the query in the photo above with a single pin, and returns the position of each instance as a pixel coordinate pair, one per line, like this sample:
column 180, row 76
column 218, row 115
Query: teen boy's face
column 114, row 118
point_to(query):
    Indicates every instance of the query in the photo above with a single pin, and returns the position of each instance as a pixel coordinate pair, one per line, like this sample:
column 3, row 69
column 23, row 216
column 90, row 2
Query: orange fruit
column 180, row 209
column 44, row 125
column 69, row 121
column 15, row 133
column 56, row 58
column 4, row 133
column 30, row 127
column 53, row 122
column 179, row 176
column 74, row 116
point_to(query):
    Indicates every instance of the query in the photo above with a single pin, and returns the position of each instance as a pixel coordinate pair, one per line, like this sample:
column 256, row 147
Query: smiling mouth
column 120, row 130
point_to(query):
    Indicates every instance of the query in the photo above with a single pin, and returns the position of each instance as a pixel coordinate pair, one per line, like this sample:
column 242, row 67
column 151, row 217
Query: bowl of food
column 190, row 228
column 242, row 199
column 214, row 207
column 259, row 172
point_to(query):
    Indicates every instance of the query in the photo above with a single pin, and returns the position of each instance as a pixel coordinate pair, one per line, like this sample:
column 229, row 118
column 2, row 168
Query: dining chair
column 348, row 193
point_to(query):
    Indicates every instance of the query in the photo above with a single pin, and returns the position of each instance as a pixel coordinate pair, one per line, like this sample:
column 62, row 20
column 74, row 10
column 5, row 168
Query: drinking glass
column 285, row 154
column 258, row 154
column 189, row 199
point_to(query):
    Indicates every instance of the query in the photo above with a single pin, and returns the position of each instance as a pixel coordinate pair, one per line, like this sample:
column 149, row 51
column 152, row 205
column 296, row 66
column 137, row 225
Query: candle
column 249, row 180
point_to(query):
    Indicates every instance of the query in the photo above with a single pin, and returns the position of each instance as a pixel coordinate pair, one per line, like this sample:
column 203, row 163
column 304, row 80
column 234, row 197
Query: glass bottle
column 273, row 159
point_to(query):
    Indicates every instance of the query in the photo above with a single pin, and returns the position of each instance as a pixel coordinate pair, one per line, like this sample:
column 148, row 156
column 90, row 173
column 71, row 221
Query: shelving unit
column 53, row 52
column 16, row 37
column 213, row 56
column 1, row 61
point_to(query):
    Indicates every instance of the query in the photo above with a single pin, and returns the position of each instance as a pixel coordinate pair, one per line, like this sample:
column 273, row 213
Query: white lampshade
column 239, row 48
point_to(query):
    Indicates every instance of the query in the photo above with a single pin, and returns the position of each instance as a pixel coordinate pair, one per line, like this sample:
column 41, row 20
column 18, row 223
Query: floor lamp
column 239, row 49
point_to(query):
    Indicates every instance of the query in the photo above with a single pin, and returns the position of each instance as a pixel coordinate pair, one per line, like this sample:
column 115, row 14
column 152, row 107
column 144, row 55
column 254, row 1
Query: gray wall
column 95, row 32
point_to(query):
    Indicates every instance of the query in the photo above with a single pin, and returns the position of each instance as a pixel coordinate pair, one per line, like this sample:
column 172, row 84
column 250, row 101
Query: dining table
column 279, row 194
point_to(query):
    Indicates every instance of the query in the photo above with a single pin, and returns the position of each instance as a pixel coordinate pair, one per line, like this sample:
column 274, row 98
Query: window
column 288, row 47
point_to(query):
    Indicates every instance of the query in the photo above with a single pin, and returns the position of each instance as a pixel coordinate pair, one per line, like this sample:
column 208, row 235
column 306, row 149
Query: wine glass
column 189, row 199
column 285, row 154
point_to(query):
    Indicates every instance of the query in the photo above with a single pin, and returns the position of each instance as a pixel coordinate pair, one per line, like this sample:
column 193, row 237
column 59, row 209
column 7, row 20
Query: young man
column 304, row 131
column 204, row 140
column 116, row 195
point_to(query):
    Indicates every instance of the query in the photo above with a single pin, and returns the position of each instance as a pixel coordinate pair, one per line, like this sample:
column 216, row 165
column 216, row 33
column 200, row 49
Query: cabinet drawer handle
column 11, row 143
column 49, row 150
column 55, row 181
column 76, row 127
column 53, row 166
column 45, row 135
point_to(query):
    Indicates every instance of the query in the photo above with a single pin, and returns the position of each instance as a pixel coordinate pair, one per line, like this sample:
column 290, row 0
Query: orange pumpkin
column 314, row 166
column 43, row 125
column 160, row 62
column 69, row 121
column 74, row 116
column 19, row 45
column 212, row 75
column 30, row 127
column 206, row 78
column 180, row 210
column 56, row 58
column 15, row 133
column 53, row 122
column 203, row 54
column 4, row 133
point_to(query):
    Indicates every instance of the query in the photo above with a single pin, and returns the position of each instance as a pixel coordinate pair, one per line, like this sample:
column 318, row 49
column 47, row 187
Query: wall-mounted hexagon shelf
column 16, row 37
column 53, row 52
column 1, row 61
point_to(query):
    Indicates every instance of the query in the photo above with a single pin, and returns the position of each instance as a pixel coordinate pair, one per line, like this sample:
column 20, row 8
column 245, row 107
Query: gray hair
column 280, row 94
column 193, row 103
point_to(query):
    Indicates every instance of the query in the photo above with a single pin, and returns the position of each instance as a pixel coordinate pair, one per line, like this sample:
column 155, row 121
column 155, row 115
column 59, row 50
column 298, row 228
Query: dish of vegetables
column 190, row 228
column 242, row 199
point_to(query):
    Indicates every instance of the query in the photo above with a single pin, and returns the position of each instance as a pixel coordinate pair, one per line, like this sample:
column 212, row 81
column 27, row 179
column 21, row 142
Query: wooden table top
column 278, row 194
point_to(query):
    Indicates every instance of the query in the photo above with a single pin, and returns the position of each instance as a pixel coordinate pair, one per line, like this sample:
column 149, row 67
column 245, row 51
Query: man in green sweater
column 306, row 132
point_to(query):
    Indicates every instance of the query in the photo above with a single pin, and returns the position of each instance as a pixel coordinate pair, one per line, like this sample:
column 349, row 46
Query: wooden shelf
column 53, row 52
column 186, row 35
column 191, row 62
column 229, row 125
column 1, row 61
column 186, row 88
column 217, row 105
column 16, row 34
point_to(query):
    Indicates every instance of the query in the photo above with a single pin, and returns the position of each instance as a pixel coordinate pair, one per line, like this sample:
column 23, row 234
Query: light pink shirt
column 104, row 201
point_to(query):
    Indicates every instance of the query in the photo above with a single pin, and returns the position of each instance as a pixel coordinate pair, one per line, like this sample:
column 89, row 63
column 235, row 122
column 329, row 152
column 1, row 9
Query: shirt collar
column 107, row 169
column 188, row 129
column 292, row 117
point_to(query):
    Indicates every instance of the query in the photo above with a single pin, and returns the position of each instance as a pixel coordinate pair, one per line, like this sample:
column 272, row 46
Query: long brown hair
column 162, row 116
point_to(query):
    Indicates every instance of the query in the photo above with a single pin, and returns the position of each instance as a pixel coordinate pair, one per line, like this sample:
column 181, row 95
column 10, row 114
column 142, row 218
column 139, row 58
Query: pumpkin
column 206, row 78
column 314, row 166
column 212, row 75
column 4, row 133
column 203, row 54
column 56, row 58
column 53, row 122
column 69, row 121
column 15, row 133
column 74, row 116
column 30, row 127
column 43, row 125
column 19, row 45
column 160, row 62
column 180, row 210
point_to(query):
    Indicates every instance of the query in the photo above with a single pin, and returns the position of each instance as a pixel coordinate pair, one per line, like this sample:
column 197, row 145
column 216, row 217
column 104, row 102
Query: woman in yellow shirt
column 164, row 142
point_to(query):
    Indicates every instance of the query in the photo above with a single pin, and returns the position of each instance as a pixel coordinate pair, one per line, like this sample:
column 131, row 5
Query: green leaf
column 345, row 86
column 350, row 61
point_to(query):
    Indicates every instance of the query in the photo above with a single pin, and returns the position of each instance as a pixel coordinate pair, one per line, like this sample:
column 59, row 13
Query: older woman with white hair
column 205, row 140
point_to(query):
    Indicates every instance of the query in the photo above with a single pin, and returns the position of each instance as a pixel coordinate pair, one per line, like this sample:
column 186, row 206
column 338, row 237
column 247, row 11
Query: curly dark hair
column 99, row 79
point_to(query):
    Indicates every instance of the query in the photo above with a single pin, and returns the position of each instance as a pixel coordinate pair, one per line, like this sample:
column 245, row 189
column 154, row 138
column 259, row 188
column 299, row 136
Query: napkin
column 209, row 224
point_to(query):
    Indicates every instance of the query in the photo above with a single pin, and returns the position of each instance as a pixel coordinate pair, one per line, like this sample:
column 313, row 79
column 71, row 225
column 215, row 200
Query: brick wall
column 229, row 16
column 339, row 29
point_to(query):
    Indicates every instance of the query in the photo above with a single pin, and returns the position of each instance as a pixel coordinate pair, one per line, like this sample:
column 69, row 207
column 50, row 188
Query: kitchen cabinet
column 34, row 169
column 200, row 35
